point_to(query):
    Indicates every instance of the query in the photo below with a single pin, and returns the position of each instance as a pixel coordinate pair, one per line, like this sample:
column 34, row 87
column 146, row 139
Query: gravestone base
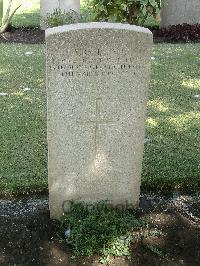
column 118, row 203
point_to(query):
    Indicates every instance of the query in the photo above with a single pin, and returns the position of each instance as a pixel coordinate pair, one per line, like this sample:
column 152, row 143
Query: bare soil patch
column 173, row 238
column 31, row 36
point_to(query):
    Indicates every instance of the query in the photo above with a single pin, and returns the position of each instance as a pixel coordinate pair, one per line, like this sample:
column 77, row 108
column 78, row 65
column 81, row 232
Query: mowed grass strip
column 172, row 155
column 172, row 149
column 23, row 144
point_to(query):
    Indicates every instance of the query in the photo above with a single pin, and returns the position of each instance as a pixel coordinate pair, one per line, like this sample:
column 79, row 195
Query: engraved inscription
column 84, row 64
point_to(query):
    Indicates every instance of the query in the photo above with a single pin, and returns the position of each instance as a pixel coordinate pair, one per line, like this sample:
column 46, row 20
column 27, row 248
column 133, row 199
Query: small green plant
column 61, row 17
column 98, row 228
column 6, row 20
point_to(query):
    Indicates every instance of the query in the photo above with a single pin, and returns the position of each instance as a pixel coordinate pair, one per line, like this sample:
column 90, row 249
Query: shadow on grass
column 172, row 156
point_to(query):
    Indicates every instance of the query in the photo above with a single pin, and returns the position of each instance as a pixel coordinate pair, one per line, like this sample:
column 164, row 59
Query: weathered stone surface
column 97, row 84
column 176, row 12
column 48, row 6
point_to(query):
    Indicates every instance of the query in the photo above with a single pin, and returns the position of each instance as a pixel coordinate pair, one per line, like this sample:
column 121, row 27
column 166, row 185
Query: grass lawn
column 172, row 152
column 23, row 146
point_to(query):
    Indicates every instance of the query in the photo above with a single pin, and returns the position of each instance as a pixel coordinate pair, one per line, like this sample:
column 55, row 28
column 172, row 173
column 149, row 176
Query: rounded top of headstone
column 96, row 25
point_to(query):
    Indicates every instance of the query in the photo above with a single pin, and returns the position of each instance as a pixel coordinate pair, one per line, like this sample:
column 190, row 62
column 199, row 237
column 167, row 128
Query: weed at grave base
column 99, row 229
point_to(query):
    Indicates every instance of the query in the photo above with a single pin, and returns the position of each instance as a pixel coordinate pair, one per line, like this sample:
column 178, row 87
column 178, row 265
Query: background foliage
column 128, row 11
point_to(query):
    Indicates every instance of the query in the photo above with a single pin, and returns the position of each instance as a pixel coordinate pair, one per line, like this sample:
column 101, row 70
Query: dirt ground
column 31, row 36
column 27, row 235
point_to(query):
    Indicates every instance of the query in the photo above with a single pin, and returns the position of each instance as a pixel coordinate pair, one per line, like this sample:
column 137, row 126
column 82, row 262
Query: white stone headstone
column 176, row 12
column 97, row 84
column 48, row 7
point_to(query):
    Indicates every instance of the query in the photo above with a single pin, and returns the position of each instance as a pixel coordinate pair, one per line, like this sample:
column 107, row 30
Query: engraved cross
column 97, row 122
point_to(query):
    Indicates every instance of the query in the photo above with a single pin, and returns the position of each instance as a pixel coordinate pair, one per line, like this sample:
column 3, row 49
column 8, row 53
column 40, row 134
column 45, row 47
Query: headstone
column 48, row 7
column 97, row 85
column 176, row 12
